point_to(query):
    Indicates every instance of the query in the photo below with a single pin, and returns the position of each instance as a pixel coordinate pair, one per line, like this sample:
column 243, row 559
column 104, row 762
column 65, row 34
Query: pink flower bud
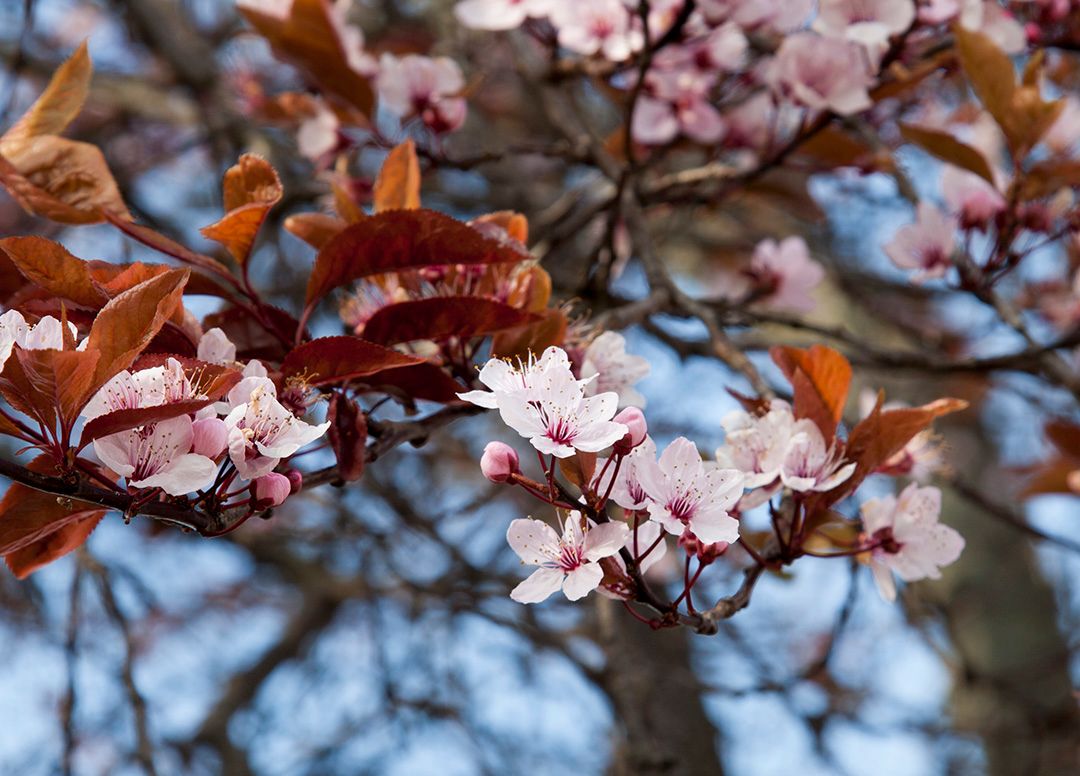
column 209, row 437
column 499, row 462
column 272, row 489
column 637, row 429
column 296, row 481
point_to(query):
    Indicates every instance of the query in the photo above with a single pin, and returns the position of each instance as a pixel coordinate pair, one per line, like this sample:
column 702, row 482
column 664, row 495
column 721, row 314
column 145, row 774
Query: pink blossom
column 318, row 134
column 499, row 14
column 272, row 489
column 262, row 432
column 822, row 73
column 427, row 87
column 786, row 273
column 989, row 18
column 870, row 23
column 209, row 437
column 970, row 198
column 599, row 27
column 913, row 544
column 216, row 348
column 636, row 429
column 926, row 245
column 614, row 369
column 158, row 456
column 780, row 15
column 46, row 334
column 502, row 377
column 627, row 491
column 499, row 462
column 685, row 496
column 558, row 419
column 757, row 444
column 570, row 561
column 677, row 102
column 810, row 465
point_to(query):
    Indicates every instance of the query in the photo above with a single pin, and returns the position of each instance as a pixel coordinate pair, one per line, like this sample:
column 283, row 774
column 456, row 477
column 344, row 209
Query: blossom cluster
column 767, row 452
column 823, row 59
column 242, row 439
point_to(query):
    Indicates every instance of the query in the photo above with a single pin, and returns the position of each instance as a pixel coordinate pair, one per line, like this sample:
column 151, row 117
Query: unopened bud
column 499, row 462
column 209, row 437
column 296, row 481
column 636, row 430
column 272, row 489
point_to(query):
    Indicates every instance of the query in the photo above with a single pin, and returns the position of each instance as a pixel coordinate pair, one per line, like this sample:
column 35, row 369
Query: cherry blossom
column 145, row 388
column 757, row 445
column 502, row 377
column 867, row 22
column 926, row 245
column 158, row 456
column 598, row 27
column 627, row 491
column 427, row 87
column 46, row 334
column 570, row 561
column 318, row 134
column 685, row 496
column 637, row 429
column 272, row 489
column 499, row 14
column 822, row 73
column 780, row 15
column 216, row 348
column 989, row 18
column 262, row 432
column 558, row 419
column 499, row 462
column 786, row 273
column 615, row 370
column 809, row 464
column 970, row 198
column 912, row 543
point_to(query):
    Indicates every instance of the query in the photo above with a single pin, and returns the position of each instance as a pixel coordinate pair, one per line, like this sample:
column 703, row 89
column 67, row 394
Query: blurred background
column 368, row 630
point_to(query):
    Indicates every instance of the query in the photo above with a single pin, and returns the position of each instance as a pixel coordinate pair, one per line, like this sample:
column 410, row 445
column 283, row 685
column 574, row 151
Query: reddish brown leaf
column 63, row 180
column 947, row 148
column 531, row 338
column 1044, row 179
column 339, row 359
column 59, row 381
column 1021, row 112
column 316, row 229
column 251, row 189
column 511, row 222
column 57, row 106
column 28, row 516
column 441, row 317
column 127, row 324
column 425, row 382
column 882, row 434
column 398, row 184
column 69, row 537
column 49, row 265
column 163, row 244
column 348, row 436
column 309, row 38
column 397, row 240
column 1065, row 436
column 820, row 377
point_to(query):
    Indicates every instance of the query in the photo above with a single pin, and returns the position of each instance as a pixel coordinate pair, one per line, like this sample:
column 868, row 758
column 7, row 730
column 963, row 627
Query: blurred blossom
column 786, row 274
column 822, row 73
column 421, row 86
column 926, row 245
